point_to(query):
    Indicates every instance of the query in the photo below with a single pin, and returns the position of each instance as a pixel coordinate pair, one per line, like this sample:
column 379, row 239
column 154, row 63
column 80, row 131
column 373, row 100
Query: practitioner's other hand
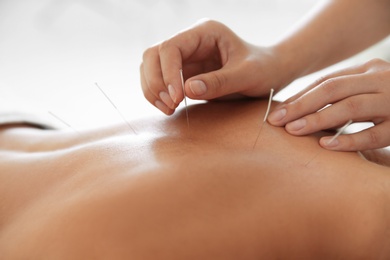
column 360, row 93
column 378, row 156
column 216, row 64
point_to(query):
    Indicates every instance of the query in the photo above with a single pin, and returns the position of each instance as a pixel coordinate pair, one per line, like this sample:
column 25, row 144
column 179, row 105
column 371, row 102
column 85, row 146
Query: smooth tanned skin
column 172, row 193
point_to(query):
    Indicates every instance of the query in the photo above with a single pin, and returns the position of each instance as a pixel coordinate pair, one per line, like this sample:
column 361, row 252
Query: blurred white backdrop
column 53, row 51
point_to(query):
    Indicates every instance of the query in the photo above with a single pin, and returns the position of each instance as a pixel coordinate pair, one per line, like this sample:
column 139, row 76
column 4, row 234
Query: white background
column 53, row 51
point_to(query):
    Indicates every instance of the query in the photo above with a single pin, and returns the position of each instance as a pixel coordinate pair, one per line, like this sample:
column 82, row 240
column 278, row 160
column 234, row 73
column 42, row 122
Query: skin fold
column 169, row 192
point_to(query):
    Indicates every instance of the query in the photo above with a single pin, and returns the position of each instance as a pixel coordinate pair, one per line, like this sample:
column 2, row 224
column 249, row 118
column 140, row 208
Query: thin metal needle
column 185, row 98
column 269, row 105
column 119, row 112
column 339, row 132
column 265, row 117
column 62, row 121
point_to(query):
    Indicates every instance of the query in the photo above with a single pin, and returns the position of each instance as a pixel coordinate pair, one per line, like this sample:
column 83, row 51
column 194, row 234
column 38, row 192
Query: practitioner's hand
column 360, row 93
column 378, row 156
column 216, row 63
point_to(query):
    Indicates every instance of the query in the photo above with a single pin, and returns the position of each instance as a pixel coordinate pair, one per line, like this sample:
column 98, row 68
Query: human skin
column 360, row 93
column 217, row 63
column 204, row 192
column 210, row 52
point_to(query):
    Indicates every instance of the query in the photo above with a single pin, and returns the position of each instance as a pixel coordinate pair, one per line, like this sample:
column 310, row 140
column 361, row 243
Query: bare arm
column 335, row 30
column 217, row 63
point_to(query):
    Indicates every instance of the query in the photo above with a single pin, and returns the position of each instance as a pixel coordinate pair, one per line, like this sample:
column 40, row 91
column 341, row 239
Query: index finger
column 193, row 44
column 328, row 92
column 339, row 73
column 171, row 63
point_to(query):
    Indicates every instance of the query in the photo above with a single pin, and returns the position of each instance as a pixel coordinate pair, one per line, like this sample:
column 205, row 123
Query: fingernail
column 328, row 142
column 277, row 115
column 198, row 87
column 172, row 92
column 296, row 125
column 165, row 97
column 160, row 105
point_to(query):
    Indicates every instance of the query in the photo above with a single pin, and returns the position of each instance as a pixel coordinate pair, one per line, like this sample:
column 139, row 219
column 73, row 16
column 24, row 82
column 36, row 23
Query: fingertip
column 166, row 99
column 163, row 108
column 296, row 126
column 172, row 93
column 276, row 117
column 330, row 143
column 340, row 144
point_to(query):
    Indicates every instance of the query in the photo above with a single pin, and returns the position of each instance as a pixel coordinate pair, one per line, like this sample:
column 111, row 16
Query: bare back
column 173, row 192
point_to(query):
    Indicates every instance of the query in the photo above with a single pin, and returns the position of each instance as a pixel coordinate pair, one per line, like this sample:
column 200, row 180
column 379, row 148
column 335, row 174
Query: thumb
column 213, row 84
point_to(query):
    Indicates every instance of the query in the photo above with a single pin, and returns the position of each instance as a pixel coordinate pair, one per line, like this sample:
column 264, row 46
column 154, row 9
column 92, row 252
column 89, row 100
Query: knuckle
column 320, row 80
column 149, row 52
column 208, row 22
column 330, row 86
column 373, row 137
column 218, row 81
column 154, row 85
column 353, row 106
column 165, row 45
column 369, row 139
column 376, row 62
column 350, row 142
column 318, row 121
column 296, row 105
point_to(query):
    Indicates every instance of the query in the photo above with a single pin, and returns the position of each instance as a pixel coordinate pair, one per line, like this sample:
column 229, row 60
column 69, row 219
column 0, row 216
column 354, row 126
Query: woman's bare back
column 203, row 192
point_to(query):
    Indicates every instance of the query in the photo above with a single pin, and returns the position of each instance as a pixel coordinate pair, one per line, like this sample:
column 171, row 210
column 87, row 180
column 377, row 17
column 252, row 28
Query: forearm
column 335, row 30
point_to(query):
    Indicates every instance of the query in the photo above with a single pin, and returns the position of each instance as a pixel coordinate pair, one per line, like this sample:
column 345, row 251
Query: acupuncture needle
column 62, row 121
column 119, row 112
column 339, row 132
column 185, row 98
column 265, row 117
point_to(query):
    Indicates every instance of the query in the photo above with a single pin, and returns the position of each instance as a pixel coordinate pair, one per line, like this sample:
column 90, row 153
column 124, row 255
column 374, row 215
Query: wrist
column 279, row 68
column 291, row 64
